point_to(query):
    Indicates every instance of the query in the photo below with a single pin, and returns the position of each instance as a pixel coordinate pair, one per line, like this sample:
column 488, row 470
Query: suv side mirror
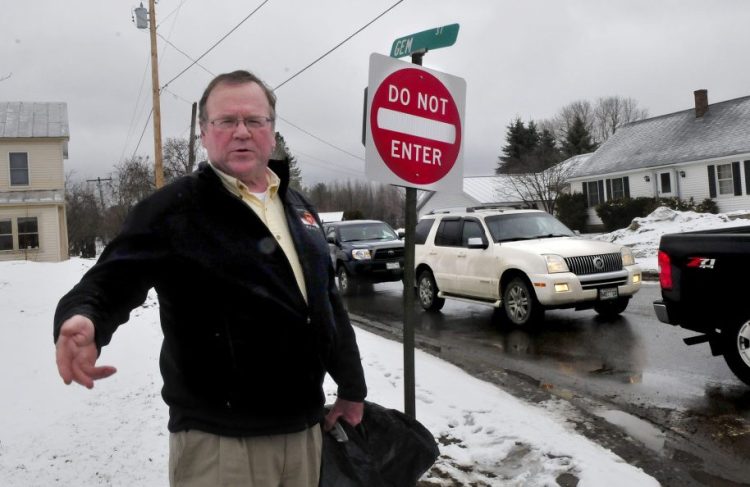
column 401, row 233
column 331, row 238
column 476, row 243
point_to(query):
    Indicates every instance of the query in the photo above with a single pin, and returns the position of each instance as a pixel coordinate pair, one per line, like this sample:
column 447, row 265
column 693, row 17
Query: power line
column 135, row 110
column 321, row 140
column 144, row 131
column 184, row 54
column 327, row 164
column 176, row 9
column 217, row 43
column 338, row 45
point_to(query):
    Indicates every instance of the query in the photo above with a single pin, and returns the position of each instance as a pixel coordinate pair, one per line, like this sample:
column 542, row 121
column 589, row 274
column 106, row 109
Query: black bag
column 388, row 449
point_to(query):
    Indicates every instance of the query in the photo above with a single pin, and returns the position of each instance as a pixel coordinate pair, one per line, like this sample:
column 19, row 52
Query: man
column 248, row 304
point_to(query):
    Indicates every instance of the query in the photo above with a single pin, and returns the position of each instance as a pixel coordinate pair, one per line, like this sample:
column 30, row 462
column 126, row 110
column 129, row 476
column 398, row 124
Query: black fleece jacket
column 243, row 353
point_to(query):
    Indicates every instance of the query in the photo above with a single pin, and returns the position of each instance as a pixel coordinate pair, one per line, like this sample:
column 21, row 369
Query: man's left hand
column 349, row 411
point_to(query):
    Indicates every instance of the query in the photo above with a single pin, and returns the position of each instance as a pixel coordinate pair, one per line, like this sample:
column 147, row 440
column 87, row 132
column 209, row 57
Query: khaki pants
column 198, row 459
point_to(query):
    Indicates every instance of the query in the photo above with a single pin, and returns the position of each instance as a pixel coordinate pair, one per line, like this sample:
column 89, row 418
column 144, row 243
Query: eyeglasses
column 231, row 123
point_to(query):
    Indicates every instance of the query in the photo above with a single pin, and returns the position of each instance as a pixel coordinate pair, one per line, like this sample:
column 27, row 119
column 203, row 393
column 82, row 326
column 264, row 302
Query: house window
column 620, row 188
column 666, row 182
column 6, row 235
column 19, row 169
column 725, row 179
column 28, row 233
column 593, row 194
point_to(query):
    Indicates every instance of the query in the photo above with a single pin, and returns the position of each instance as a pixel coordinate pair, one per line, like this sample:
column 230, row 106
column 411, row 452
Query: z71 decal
column 701, row 262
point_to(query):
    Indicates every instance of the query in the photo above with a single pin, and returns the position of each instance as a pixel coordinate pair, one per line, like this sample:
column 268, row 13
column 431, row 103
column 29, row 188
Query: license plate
column 608, row 293
column 395, row 265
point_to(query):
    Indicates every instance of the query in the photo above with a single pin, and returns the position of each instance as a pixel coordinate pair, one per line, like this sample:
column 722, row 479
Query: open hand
column 76, row 353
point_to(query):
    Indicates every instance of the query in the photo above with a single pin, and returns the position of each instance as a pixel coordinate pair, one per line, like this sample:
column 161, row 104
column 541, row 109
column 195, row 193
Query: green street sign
column 423, row 41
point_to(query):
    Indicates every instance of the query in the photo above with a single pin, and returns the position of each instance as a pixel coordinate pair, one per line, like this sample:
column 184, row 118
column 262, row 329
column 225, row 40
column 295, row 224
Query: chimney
column 701, row 102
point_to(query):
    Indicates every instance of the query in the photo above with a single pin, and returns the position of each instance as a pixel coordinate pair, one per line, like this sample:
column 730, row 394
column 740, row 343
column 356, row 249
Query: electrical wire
column 216, row 44
column 143, row 132
column 338, row 45
column 319, row 139
column 184, row 54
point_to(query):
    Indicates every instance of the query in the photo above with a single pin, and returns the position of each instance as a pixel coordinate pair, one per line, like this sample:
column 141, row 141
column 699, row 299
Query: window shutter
column 736, row 178
column 609, row 190
column 711, row 181
column 601, row 191
column 585, row 193
column 747, row 177
column 626, row 186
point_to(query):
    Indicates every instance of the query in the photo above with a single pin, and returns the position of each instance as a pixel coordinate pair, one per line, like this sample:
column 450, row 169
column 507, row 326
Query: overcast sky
column 525, row 59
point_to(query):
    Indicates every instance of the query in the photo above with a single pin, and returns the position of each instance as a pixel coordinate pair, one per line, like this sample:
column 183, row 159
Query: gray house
column 699, row 153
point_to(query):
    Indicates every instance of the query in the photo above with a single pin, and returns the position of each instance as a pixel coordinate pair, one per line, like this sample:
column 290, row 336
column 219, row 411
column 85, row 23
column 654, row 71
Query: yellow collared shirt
column 270, row 210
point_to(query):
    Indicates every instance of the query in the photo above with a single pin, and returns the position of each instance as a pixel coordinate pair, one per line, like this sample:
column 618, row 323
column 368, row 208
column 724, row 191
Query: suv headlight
column 361, row 254
column 555, row 264
column 627, row 256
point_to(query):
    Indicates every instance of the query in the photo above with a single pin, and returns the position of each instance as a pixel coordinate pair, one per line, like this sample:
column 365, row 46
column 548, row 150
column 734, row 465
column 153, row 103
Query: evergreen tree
column 521, row 142
column 578, row 139
column 527, row 150
column 282, row 153
column 547, row 152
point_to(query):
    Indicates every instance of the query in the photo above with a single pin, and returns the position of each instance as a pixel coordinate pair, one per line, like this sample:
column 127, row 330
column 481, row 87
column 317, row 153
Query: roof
column 33, row 119
column 33, row 196
column 331, row 216
column 675, row 138
column 571, row 165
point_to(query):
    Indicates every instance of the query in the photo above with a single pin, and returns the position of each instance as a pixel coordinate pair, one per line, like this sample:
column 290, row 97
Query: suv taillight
column 665, row 271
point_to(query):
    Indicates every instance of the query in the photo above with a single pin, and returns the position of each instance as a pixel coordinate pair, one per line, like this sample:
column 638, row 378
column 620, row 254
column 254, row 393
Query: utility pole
column 191, row 142
column 98, row 182
column 141, row 24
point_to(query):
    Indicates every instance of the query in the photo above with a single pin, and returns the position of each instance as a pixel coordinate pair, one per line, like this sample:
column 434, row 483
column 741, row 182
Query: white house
column 496, row 190
column 699, row 153
column 33, row 144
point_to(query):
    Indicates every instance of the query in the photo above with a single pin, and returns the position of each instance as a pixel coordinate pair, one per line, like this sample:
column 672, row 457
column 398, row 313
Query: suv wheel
column 427, row 291
column 520, row 304
column 347, row 286
column 737, row 349
column 611, row 309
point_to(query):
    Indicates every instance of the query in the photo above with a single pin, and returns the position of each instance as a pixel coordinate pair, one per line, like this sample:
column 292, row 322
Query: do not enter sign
column 415, row 126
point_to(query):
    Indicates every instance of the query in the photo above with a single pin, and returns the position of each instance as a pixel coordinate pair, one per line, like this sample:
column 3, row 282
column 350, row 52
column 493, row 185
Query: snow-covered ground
column 115, row 434
column 643, row 234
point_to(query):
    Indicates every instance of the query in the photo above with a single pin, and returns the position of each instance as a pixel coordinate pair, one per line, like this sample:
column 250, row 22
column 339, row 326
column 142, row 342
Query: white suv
column 524, row 261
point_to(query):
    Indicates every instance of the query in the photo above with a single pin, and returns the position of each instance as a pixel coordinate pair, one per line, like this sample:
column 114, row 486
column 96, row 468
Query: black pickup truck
column 704, row 278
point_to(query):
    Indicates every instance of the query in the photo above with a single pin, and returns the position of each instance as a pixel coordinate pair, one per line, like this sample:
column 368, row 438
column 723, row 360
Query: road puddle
column 653, row 438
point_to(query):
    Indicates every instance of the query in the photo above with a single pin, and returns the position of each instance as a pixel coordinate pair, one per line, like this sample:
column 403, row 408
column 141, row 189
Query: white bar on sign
column 415, row 125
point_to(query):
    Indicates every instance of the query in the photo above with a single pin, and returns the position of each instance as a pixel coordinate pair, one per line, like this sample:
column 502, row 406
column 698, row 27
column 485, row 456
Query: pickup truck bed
column 704, row 278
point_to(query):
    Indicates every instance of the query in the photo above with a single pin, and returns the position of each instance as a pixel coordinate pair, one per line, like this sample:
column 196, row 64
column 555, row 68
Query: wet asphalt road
column 674, row 410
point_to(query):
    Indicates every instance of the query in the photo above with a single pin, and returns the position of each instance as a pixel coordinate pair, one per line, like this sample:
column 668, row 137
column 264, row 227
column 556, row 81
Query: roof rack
column 471, row 209
column 491, row 207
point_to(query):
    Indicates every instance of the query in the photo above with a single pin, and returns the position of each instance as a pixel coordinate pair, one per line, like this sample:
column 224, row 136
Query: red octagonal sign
column 415, row 125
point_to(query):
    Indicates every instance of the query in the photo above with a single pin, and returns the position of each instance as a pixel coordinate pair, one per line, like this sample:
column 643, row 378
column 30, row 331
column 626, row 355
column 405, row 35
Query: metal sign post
column 414, row 134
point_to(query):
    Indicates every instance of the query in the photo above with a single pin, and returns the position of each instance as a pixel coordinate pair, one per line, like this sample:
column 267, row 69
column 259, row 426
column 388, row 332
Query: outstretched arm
column 76, row 353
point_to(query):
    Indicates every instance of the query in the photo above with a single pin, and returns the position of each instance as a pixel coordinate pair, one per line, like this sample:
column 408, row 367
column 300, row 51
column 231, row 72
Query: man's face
column 239, row 152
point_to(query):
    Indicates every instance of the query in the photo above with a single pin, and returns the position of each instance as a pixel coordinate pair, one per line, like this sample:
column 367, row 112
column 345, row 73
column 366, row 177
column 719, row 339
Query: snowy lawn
column 115, row 434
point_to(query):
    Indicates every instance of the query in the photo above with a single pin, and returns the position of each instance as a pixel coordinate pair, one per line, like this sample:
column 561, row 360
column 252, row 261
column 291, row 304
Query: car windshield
column 366, row 231
column 526, row 226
